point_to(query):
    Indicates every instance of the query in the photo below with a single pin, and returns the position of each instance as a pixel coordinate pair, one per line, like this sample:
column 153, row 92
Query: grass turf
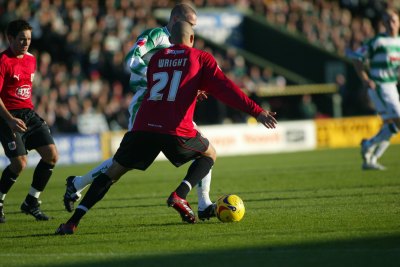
column 313, row 208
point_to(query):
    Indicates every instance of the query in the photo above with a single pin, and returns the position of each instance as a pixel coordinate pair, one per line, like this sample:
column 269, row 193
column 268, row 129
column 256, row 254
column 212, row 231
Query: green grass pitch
column 314, row 208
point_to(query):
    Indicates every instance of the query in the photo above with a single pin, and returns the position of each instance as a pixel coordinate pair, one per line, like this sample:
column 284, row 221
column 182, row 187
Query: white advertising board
column 242, row 139
column 253, row 139
column 72, row 149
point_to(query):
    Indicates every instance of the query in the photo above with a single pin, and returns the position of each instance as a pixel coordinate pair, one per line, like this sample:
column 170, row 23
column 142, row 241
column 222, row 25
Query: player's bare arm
column 362, row 73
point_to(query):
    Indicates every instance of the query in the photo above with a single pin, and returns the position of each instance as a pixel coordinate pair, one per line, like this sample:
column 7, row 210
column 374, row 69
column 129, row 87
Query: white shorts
column 386, row 100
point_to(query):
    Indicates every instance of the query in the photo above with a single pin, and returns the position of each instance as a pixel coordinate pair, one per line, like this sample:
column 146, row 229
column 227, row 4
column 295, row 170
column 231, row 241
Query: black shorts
column 138, row 149
column 37, row 135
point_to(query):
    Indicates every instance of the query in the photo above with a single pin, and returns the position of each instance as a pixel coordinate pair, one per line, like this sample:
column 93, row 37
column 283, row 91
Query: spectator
column 94, row 36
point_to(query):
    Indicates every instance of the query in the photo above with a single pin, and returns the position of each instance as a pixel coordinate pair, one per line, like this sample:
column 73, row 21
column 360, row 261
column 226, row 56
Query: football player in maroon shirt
column 21, row 129
column 164, row 122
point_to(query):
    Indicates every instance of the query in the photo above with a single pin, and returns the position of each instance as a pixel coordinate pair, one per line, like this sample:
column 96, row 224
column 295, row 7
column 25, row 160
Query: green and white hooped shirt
column 383, row 54
column 147, row 44
column 137, row 59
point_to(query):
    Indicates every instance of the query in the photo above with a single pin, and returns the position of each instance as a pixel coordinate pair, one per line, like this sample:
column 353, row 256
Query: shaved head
column 182, row 12
column 182, row 33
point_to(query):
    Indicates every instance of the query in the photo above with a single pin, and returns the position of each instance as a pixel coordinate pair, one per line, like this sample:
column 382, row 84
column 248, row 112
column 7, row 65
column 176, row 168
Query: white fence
column 228, row 140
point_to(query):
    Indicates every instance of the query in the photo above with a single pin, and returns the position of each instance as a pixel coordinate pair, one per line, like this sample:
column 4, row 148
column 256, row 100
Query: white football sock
column 80, row 182
column 2, row 196
column 382, row 140
column 380, row 149
column 203, row 192
column 35, row 193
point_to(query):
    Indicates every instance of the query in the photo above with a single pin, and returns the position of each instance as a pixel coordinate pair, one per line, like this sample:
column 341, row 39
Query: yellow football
column 230, row 208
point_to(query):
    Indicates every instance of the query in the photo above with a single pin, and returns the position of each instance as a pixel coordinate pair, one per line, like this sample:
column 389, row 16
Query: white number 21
column 161, row 79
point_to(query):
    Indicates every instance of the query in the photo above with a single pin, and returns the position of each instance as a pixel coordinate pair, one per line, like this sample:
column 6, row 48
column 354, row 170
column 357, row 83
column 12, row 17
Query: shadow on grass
column 379, row 251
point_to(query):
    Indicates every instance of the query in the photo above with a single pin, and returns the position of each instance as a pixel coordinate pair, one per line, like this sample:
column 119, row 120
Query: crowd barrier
column 347, row 132
column 229, row 140
column 72, row 149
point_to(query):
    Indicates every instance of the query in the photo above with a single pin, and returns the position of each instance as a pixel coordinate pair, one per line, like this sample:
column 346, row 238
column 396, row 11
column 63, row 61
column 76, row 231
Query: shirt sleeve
column 218, row 85
column 140, row 53
column 2, row 75
column 133, row 59
column 362, row 53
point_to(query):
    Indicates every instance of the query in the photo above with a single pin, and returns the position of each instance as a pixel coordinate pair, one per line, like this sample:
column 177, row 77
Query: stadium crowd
column 80, row 48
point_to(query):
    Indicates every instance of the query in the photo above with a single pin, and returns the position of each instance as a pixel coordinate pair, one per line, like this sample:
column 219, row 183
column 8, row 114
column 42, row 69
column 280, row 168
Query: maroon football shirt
column 174, row 76
column 16, row 77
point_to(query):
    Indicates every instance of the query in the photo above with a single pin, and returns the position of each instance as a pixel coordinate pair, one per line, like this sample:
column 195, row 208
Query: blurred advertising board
column 72, row 149
column 241, row 139
column 348, row 132
column 230, row 139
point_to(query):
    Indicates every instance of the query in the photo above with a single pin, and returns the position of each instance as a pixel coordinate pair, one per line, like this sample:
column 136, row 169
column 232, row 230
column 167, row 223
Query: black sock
column 42, row 175
column 31, row 200
column 197, row 170
column 96, row 192
column 183, row 190
column 77, row 216
column 7, row 180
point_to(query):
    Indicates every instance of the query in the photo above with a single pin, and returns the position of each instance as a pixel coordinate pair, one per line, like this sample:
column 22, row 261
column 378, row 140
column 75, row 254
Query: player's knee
column 214, row 157
column 53, row 159
column 50, row 155
column 115, row 171
column 211, row 153
column 17, row 165
column 50, row 159
column 210, row 161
